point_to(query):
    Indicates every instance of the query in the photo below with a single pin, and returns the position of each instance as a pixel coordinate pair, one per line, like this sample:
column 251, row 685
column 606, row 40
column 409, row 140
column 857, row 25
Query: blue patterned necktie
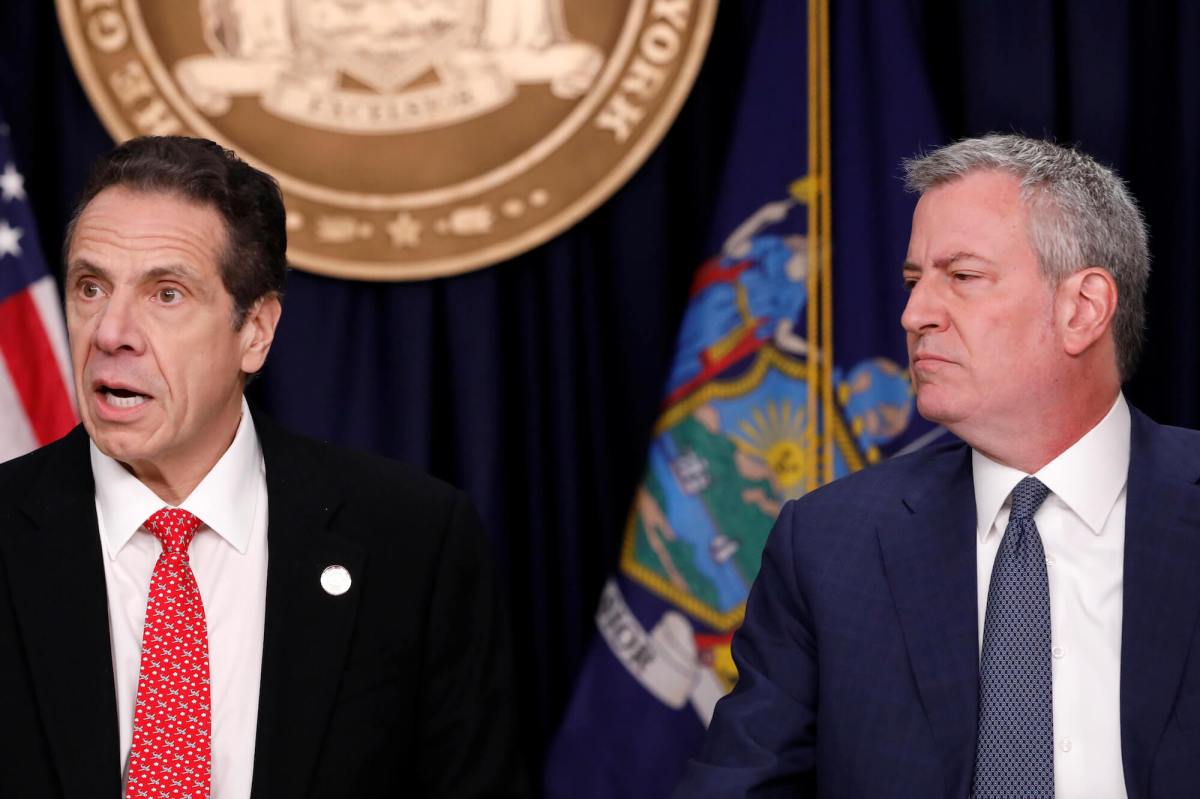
column 1014, row 758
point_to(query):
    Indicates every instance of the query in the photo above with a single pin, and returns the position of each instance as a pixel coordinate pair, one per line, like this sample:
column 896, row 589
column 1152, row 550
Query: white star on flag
column 12, row 183
column 10, row 239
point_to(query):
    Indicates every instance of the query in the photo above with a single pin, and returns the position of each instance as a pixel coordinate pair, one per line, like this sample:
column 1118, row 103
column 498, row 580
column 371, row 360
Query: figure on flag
column 749, row 295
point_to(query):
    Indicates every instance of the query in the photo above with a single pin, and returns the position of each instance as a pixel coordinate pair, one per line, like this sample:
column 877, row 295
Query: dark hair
column 254, row 261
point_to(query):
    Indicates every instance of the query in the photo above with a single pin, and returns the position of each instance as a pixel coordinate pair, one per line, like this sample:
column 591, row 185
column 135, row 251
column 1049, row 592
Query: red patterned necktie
column 171, row 755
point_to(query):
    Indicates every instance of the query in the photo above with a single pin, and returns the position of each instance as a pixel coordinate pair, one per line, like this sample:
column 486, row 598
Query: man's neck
column 174, row 479
column 1034, row 442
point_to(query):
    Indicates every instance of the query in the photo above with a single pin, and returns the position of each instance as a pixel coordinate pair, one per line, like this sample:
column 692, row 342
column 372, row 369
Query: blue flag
column 789, row 372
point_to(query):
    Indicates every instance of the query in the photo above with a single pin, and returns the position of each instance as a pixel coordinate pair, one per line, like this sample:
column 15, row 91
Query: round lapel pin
column 335, row 580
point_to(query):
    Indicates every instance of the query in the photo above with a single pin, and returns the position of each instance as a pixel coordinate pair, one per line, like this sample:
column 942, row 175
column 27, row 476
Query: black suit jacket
column 399, row 687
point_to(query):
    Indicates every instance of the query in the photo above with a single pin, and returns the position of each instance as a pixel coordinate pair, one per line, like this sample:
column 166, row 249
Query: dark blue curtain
column 533, row 384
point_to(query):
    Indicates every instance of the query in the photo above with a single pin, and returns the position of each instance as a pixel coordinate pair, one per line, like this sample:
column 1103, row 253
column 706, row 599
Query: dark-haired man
column 194, row 602
column 1016, row 615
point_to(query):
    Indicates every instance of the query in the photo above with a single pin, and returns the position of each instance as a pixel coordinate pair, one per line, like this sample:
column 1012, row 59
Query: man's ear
column 258, row 331
column 1085, row 304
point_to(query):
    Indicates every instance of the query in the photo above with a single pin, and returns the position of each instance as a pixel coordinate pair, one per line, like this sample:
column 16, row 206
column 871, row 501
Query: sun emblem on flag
column 776, row 437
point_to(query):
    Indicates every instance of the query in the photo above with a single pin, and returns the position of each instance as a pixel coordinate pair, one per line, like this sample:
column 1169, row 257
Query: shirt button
column 1058, row 651
column 1050, row 560
column 1065, row 745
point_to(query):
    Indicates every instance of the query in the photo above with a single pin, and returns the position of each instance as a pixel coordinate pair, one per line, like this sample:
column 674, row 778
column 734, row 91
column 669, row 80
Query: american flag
column 36, row 404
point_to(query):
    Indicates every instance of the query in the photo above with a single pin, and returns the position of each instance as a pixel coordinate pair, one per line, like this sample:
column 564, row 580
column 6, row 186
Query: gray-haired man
column 1012, row 616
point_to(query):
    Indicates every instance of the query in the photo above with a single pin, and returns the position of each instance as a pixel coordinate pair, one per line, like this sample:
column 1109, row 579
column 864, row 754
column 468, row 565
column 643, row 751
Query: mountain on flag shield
column 35, row 383
column 759, row 406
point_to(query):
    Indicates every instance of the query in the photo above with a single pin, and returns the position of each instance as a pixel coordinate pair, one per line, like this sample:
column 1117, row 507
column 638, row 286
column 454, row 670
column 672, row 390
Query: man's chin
column 124, row 445
column 934, row 405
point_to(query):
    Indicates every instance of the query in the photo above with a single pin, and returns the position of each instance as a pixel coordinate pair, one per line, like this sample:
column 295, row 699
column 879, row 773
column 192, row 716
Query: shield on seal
column 386, row 44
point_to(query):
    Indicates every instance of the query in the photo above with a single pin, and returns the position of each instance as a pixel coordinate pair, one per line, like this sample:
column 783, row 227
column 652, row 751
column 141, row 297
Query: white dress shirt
column 229, row 558
column 1082, row 526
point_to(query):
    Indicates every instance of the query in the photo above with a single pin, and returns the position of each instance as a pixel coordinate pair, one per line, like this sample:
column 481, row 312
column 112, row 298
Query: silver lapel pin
column 335, row 580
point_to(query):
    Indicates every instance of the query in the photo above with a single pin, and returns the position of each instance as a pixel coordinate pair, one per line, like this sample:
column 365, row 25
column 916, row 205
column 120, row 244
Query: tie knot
column 1027, row 497
column 174, row 528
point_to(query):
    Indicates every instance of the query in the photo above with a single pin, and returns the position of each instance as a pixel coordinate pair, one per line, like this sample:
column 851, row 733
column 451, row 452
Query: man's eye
column 168, row 296
column 89, row 290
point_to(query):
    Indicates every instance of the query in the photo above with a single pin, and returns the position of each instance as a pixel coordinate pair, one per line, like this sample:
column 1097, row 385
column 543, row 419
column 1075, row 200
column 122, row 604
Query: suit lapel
column 928, row 552
column 307, row 630
column 56, row 578
column 1161, row 602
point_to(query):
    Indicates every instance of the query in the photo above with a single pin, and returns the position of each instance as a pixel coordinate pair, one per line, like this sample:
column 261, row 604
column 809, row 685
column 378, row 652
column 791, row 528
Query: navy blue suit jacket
column 858, row 657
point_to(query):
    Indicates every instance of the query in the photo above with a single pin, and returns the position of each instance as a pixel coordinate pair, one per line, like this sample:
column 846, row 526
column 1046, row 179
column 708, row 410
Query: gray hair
column 1080, row 215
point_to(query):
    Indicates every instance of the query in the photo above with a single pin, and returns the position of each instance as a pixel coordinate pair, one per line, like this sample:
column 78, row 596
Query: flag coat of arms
column 759, row 408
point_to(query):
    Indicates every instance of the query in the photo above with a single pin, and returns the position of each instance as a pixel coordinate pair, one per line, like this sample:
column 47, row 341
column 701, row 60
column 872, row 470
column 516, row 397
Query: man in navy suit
column 1009, row 615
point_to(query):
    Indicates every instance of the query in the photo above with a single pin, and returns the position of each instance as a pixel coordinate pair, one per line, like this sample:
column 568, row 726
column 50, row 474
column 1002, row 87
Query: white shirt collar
column 225, row 499
column 1088, row 477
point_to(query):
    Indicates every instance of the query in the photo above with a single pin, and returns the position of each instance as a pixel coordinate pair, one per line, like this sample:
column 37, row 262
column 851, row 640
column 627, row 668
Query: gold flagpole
column 812, row 278
column 826, row 173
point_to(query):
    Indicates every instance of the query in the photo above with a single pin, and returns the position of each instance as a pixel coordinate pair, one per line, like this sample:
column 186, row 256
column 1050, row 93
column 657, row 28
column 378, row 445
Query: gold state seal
column 412, row 138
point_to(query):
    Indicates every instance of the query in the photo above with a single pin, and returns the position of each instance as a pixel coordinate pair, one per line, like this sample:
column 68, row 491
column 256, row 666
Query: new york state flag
column 759, row 406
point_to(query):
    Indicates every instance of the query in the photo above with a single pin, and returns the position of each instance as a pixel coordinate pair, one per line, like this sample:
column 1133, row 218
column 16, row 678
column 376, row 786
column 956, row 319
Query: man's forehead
column 126, row 192
column 137, row 221
column 150, row 210
column 994, row 189
column 978, row 206
column 131, row 236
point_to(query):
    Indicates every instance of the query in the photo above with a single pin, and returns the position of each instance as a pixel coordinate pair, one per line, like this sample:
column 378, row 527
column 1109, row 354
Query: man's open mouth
column 122, row 397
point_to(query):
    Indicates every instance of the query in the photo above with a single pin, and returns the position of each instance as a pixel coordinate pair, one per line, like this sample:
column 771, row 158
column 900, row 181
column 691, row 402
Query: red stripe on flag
column 35, row 372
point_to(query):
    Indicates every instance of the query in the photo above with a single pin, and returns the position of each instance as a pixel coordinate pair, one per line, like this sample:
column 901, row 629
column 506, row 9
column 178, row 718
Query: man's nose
column 118, row 327
column 924, row 312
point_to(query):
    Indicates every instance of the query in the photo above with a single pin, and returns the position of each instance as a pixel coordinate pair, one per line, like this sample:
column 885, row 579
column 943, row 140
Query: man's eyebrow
column 179, row 271
column 84, row 265
column 962, row 255
column 173, row 270
column 949, row 260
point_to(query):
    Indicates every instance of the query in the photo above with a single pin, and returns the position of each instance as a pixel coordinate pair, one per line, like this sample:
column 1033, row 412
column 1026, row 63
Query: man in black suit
column 367, row 656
